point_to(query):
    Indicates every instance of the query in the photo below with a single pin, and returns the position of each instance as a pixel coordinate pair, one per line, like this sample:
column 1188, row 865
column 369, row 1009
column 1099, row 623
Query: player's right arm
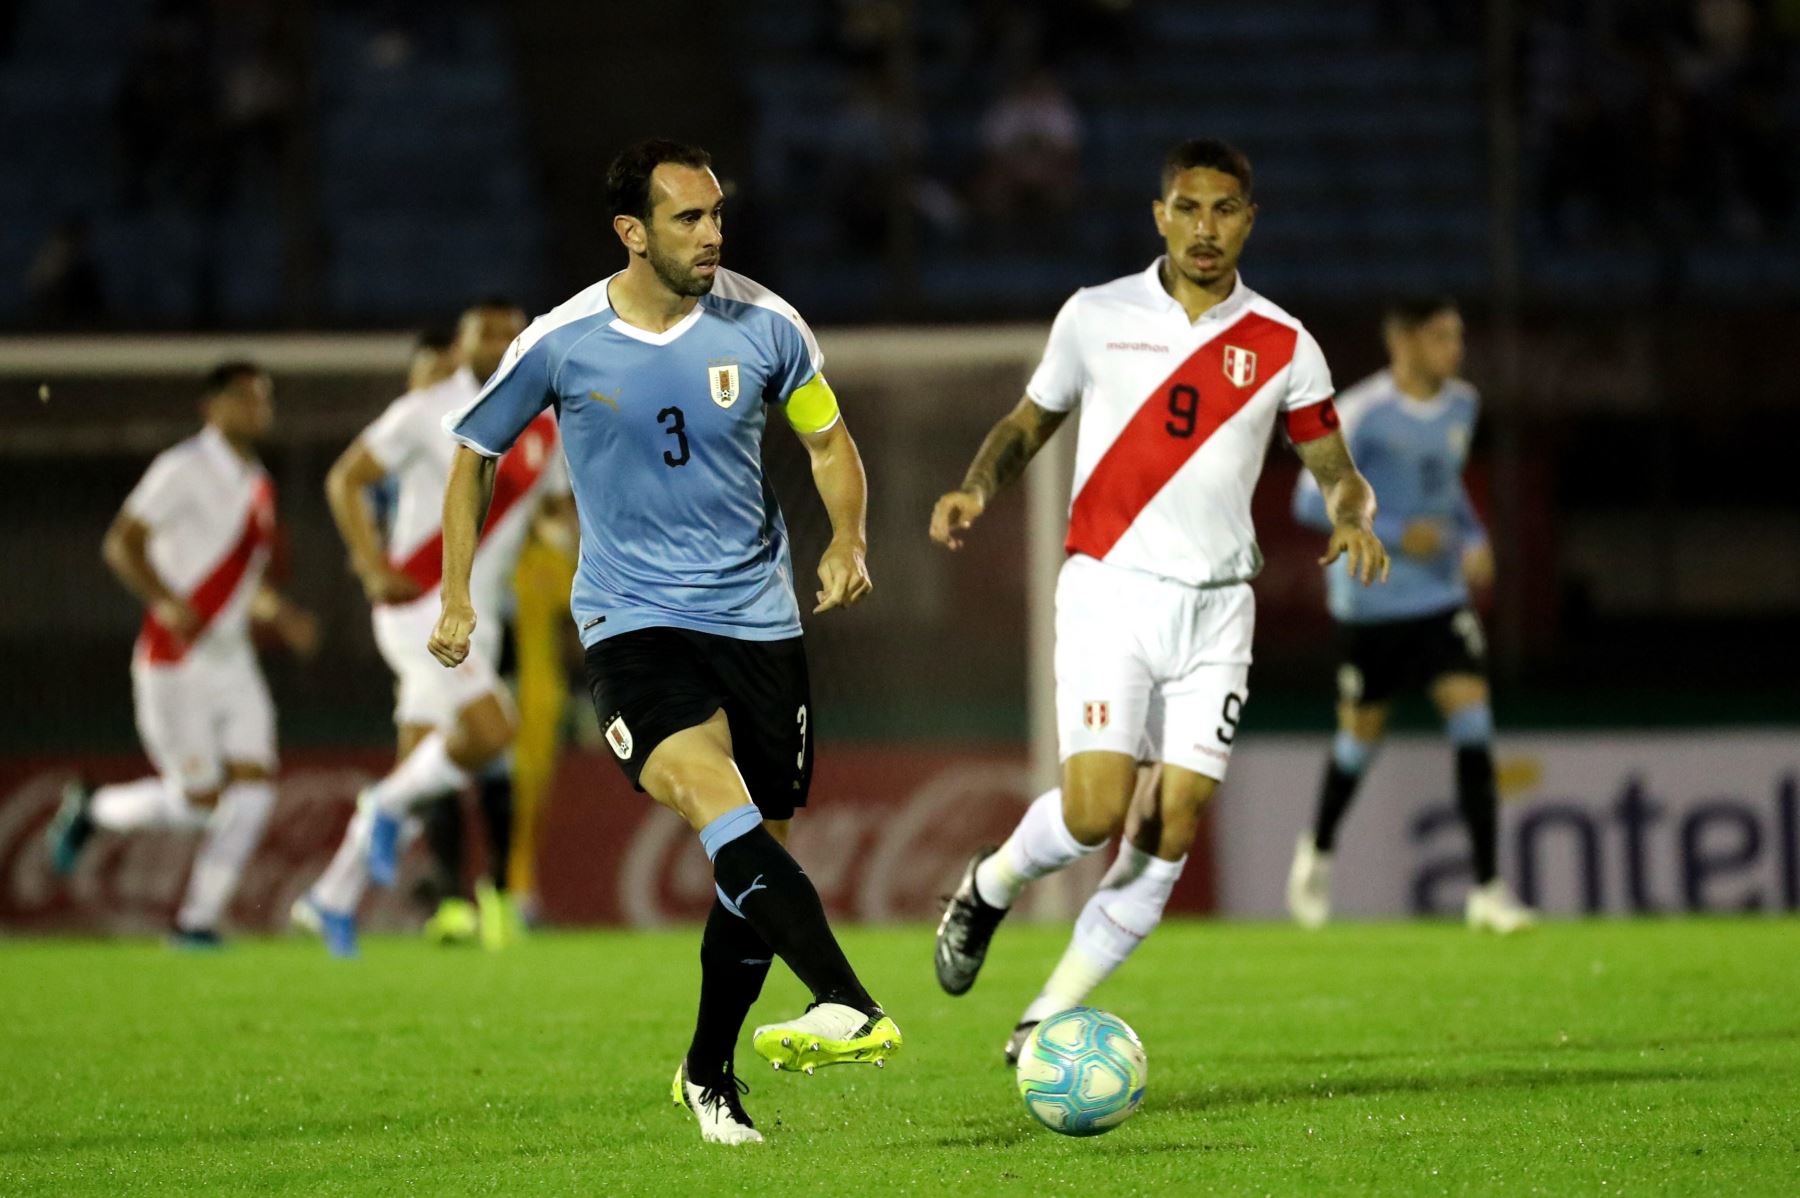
column 466, row 499
column 1054, row 390
column 347, row 492
column 155, row 501
column 483, row 430
column 1005, row 452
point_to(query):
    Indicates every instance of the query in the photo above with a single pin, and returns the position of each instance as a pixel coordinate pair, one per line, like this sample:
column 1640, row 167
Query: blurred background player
column 452, row 724
column 192, row 542
column 1182, row 374
column 662, row 376
column 1410, row 426
column 454, row 911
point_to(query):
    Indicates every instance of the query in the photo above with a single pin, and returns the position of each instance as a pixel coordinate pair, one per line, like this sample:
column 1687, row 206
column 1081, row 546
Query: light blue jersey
column 663, row 435
column 1412, row 452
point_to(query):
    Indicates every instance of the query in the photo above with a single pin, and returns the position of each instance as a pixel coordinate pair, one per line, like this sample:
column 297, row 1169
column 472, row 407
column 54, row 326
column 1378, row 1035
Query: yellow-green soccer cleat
column 453, row 922
column 501, row 924
column 829, row 1034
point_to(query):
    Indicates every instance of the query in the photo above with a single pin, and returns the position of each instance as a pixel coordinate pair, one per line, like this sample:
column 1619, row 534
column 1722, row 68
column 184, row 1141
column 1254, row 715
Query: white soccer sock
column 426, row 773
column 232, row 834
column 145, row 803
column 1125, row 908
column 340, row 888
column 1041, row 844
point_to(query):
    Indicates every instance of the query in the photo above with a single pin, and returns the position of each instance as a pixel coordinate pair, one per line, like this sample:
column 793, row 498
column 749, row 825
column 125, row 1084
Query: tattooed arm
column 1350, row 501
column 1007, row 450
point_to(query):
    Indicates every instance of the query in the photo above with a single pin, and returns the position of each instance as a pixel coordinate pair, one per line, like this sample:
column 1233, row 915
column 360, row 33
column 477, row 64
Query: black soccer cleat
column 964, row 932
column 1015, row 1043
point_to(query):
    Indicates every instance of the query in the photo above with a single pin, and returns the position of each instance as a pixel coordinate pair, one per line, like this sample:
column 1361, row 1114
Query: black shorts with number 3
column 1381, row 660
column 651, row 683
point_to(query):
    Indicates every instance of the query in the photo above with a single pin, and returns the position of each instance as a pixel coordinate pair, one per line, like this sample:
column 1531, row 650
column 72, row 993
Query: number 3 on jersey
column 677, row 428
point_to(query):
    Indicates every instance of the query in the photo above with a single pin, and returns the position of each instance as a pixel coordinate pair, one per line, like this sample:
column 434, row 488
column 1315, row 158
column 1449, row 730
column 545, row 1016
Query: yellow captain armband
column 813, row 406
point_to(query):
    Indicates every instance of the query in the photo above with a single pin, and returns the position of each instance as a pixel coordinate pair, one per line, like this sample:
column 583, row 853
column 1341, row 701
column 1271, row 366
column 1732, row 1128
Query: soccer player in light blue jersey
column 1409, row 428
column 662, row 378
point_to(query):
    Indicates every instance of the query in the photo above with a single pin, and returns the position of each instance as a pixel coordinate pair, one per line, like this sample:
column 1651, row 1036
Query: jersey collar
column 1225, row 309
column 645, row 335
column 216, row 447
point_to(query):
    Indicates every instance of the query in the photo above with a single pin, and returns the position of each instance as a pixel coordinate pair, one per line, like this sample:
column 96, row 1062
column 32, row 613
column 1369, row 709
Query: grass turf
column 1583, row 1058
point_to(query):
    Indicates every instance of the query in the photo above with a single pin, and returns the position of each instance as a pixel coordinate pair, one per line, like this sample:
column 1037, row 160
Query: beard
column 676, row 275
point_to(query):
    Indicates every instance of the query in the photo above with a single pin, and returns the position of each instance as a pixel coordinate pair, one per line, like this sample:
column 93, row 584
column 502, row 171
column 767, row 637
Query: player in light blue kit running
column 1409, row 429
column 662, row 378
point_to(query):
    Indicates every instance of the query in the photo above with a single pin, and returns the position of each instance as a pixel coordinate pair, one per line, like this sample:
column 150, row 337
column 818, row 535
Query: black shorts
column 649, row 684
column 1378, row 661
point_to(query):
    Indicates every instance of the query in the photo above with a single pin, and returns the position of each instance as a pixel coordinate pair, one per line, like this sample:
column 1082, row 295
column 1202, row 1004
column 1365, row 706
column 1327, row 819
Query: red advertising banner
column 887, row 834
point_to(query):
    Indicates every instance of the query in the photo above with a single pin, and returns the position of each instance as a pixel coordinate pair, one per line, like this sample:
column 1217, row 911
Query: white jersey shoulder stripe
column 732, row 286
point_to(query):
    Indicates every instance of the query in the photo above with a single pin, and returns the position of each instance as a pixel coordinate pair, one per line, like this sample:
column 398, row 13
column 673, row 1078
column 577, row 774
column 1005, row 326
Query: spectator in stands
column 64, row 279
column 1031, row 146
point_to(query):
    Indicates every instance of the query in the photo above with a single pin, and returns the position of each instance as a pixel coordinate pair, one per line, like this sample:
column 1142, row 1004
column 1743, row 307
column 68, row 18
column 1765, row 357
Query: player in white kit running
column 1182, row 374
column 452, row 723
column 192, row 543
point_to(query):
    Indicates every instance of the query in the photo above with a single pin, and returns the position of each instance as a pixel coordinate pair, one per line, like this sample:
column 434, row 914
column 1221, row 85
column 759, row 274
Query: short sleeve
column 798, row 359
column 1309, row 378
column 1057, row 383
column 159, row 495
column 392, row 438
column 512, row 399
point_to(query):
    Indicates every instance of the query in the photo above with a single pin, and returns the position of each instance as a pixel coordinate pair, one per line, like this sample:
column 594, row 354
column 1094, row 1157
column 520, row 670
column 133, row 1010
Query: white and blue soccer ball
column 1082, row 1072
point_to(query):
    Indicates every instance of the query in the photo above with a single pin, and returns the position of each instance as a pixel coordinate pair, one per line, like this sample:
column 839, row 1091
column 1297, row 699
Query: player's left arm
column 297, row 627
column 1350, row 501
column 466, row 499
column 837, row 471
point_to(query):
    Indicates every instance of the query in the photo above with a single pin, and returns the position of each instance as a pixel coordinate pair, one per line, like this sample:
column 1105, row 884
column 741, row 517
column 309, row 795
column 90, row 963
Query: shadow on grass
column 1214, row 1098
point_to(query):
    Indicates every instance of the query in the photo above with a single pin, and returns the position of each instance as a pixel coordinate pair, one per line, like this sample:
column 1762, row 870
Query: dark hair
column 628, row 177
column 436, row 340
column 1409, row 312
column 1210, row 152
column 220, row 378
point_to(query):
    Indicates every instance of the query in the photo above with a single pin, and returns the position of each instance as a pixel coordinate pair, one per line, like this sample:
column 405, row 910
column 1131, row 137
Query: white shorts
column 425, row 692
column 1150, row 667
column 194, row 716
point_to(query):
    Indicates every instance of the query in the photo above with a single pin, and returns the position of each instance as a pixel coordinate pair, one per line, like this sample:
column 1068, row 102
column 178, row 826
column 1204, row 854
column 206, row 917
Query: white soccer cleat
column 1493, row 908
column 721, row 1115
column 829, row 1033
column 1309, row 884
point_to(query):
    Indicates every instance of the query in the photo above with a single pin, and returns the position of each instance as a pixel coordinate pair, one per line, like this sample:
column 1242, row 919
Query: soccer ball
column 1082, row 1072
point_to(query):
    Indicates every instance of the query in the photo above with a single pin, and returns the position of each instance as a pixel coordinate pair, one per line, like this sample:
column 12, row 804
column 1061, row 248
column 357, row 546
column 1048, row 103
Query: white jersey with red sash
column 1154, row 614
column 1176, row 418
column 211, row 516
column 409, row 441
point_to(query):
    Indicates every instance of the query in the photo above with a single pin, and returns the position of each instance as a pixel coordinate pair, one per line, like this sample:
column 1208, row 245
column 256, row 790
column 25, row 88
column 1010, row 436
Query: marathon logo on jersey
column 722, row 377
column 1240, row 366
column 619, row 737
column 1096, row 714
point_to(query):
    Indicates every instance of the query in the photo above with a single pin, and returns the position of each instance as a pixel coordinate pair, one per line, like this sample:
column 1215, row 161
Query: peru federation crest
column 722, row 378
column 1096, row 714
column 1240, row 365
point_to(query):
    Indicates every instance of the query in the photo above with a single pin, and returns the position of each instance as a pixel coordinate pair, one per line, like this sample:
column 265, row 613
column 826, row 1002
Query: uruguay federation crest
column 1240, row 365
column 618, row 737
column 722, row 378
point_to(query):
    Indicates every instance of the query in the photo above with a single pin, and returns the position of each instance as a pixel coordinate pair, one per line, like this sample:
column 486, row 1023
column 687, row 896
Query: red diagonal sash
column 1160, row 438
column 519, row 469
column 157, row 643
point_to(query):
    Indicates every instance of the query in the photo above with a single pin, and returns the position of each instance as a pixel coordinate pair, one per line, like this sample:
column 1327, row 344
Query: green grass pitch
column 1584, row 1058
